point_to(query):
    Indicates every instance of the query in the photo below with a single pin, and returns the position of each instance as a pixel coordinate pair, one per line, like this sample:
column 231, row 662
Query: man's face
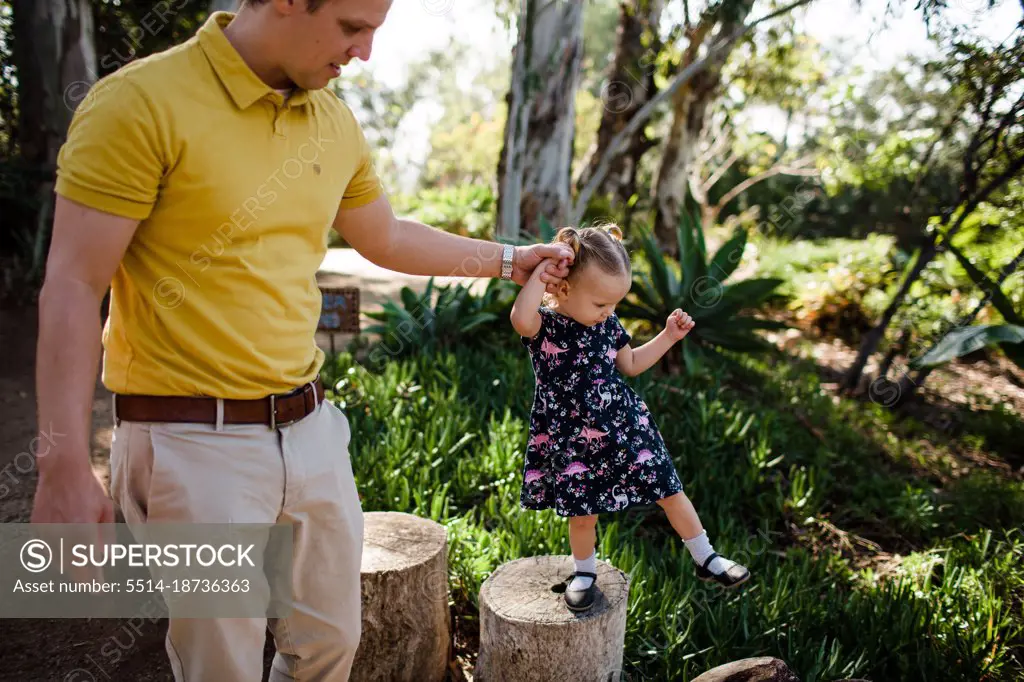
column 315, row 46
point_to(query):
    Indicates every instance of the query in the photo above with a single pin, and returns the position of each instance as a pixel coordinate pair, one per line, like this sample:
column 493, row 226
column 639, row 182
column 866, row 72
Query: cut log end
column 761, row 669
column 527, row 631
column 393, row 541
column 530, row 590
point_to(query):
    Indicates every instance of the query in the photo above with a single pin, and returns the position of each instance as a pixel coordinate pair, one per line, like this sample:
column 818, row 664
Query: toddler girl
column 594, row 446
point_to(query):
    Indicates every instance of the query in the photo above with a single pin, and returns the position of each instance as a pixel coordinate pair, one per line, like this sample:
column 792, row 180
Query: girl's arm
column 525, row 318
column 634, row 361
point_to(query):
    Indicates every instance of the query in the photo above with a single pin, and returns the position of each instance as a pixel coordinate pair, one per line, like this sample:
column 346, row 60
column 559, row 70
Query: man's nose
column 362, row 49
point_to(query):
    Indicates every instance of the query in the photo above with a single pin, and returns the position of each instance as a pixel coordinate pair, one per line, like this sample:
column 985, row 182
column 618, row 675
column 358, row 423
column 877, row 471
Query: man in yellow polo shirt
column 200, row 184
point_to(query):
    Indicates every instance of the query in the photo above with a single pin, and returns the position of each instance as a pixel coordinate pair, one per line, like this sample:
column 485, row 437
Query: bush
column 467, row 210
column 838, row 287
column 417, row 323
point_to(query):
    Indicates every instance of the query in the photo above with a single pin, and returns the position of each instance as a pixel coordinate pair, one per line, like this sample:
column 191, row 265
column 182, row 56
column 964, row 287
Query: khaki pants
column 245, row 473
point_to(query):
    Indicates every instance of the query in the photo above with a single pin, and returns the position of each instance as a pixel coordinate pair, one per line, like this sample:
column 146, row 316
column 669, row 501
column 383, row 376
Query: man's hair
column 311, row 5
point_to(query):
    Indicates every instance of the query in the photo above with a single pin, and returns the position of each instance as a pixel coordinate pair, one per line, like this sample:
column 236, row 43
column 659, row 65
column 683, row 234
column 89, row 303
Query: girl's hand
column 554, row 259
column 679, row 324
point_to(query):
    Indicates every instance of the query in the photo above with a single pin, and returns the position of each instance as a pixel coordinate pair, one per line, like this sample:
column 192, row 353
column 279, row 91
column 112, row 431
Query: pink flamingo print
column 575, row 468
column 550, row 349
column 643, row 456
column 540, row 439
column 534, row 475
column 592, row 434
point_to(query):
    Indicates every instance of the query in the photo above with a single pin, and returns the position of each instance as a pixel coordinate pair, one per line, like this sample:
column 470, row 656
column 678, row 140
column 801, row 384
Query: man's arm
column 86, row 249
column 417, row 249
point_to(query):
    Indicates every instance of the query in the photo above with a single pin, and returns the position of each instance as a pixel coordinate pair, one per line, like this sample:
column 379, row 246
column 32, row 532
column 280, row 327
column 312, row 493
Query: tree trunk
column 56, row 61
column 406, row 629
column 721, row 47
column 629, row 85
column 690, row 106
column 536, row 157
column 528, row 633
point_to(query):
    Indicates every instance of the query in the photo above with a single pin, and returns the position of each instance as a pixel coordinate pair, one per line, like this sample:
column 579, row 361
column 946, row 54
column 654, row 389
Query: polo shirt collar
column 244, row 86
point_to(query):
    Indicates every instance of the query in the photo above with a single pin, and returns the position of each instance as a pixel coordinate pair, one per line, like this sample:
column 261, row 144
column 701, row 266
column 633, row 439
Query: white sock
column 700, row 549
column 587, row 565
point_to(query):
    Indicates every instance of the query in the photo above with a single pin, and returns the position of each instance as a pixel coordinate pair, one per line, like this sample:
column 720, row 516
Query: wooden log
column 406, row 633
column 528, row 633
column 760, row 669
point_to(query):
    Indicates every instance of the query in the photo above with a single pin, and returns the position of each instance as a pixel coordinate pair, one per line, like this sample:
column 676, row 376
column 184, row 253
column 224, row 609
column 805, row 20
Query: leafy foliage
column 935, row 598
column 126, row 30
column 697, row 284
column 960, row 342
column 467, row 210
column 419, row 323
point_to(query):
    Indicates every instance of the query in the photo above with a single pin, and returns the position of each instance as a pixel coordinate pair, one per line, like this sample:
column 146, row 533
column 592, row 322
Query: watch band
column 506, row 261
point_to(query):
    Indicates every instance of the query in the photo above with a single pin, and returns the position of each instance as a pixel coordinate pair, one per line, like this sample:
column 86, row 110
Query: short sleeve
column 364, row 186
column 620, row 337
column 112, row 159
column 545, row 322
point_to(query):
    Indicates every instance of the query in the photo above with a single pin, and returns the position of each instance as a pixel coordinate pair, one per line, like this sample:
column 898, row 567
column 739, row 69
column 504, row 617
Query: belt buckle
column 273, row 414
column 298, row 391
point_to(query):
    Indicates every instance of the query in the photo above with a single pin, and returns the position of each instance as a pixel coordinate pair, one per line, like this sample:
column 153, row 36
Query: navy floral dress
column 594, row 446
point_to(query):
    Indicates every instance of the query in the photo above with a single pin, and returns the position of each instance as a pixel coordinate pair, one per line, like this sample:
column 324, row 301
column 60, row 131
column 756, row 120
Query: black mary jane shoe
column 734, row 576
column 580, row 600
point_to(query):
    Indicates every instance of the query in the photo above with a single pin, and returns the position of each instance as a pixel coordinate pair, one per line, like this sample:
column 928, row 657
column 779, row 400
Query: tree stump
column 404, row 575
column 528, row 633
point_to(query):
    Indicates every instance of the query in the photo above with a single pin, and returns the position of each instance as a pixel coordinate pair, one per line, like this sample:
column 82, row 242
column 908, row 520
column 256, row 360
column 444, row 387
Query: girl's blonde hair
column 600, row 245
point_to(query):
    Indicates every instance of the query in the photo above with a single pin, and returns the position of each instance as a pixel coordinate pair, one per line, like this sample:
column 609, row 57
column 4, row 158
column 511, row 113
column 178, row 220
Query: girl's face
column 592, row 295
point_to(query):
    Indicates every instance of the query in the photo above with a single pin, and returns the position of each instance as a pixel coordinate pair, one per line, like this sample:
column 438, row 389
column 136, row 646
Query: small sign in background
column 339, row 312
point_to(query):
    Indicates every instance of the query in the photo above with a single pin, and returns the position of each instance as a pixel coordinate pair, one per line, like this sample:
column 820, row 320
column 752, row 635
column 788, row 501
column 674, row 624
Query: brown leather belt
column 275, row 410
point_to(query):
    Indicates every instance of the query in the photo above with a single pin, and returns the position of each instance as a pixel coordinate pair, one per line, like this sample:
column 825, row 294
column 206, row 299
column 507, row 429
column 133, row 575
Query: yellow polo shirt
column 236, row 190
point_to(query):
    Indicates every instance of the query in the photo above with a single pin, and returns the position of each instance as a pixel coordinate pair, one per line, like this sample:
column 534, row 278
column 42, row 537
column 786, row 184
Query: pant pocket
column 344, row 428
column 131, row 470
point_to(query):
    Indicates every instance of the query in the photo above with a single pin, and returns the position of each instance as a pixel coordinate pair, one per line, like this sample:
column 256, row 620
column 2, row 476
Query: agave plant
column 964, row 340
column 698, row 286
column 418, row 322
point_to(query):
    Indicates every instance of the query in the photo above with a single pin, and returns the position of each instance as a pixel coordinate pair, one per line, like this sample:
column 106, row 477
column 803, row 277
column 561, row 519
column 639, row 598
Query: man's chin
column 318, row 83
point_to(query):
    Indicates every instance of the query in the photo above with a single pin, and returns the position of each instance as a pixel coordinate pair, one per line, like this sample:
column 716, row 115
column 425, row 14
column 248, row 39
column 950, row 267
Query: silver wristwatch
column 506, row 261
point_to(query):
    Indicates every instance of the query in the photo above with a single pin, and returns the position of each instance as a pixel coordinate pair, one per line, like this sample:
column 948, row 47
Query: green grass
column 864, row 563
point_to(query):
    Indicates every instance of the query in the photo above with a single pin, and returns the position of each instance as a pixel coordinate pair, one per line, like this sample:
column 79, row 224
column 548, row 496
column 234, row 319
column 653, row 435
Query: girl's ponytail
column 601, row 244
column 570, row 236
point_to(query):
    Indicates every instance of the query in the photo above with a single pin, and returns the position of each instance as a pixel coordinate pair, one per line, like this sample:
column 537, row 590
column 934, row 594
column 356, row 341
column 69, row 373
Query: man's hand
column 525, row 260
column 70, row 496
column 678, row 324
column 75, row 496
